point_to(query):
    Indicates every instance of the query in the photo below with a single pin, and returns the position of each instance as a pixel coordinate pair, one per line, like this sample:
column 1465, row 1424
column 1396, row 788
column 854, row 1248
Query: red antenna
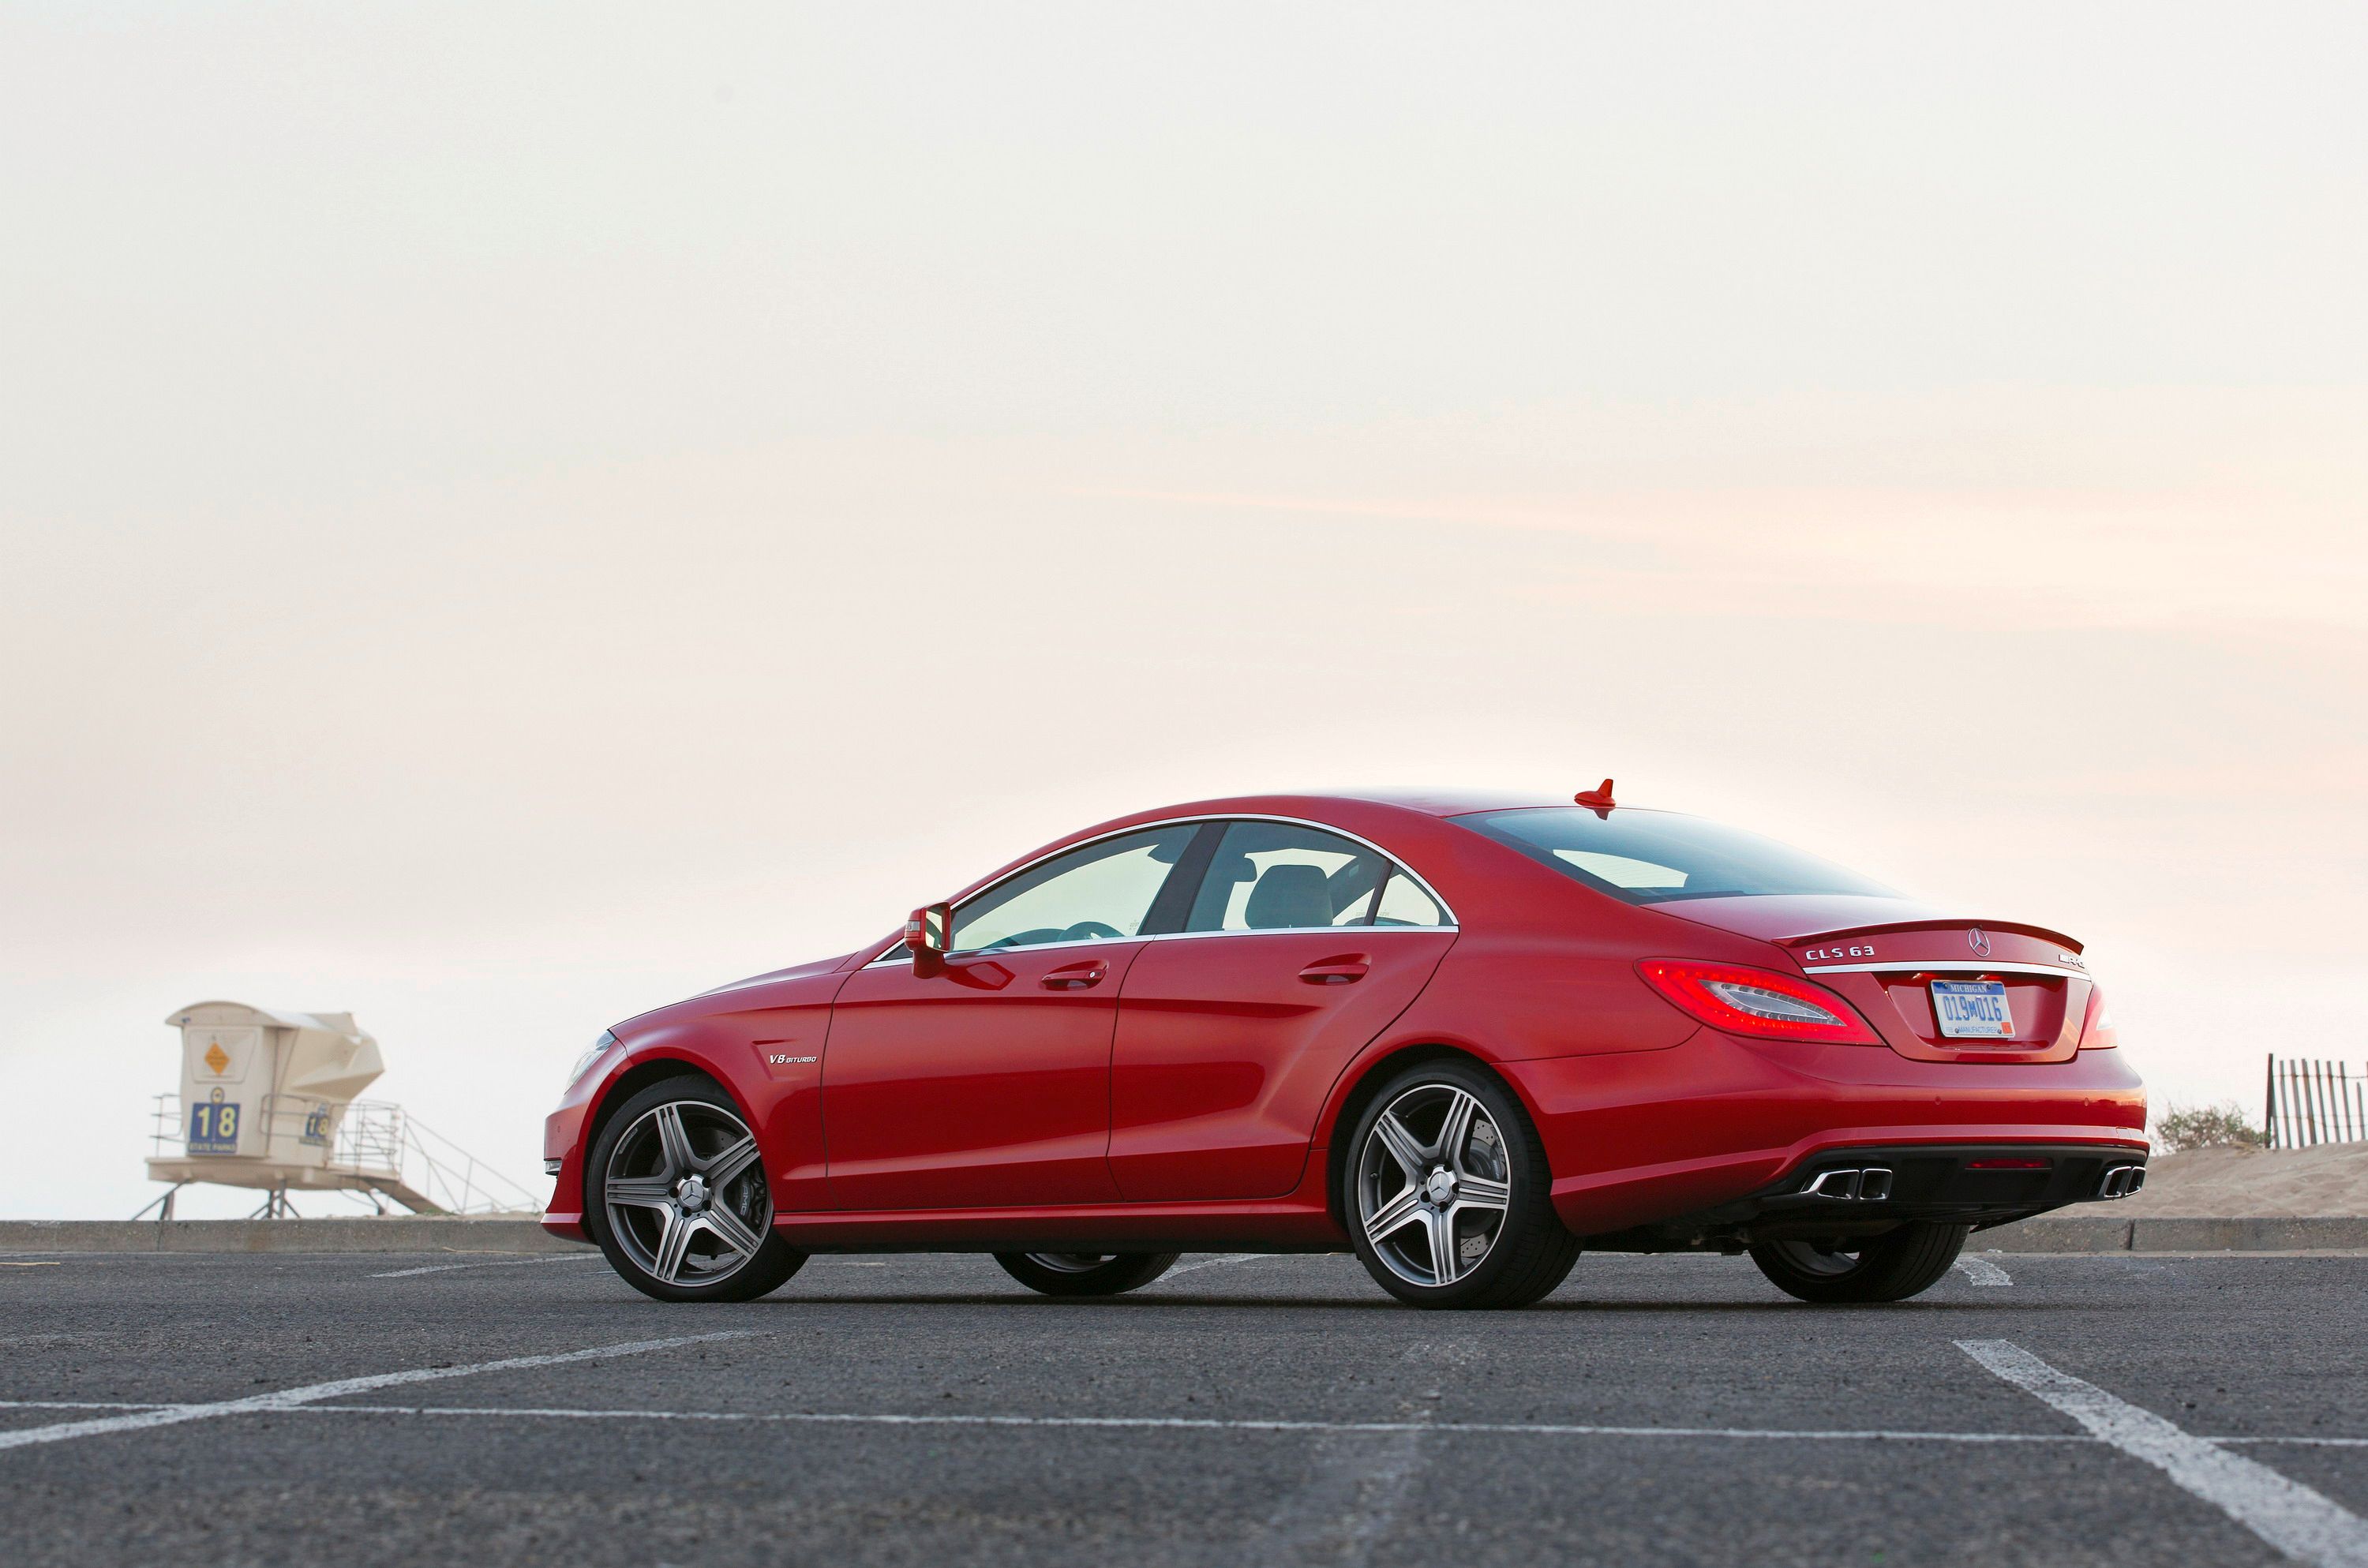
column 1597, row 800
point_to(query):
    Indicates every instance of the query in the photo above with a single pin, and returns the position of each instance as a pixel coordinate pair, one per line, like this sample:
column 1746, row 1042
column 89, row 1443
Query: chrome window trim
column 897, row 953
column 1968, row 966
column 1398, row 867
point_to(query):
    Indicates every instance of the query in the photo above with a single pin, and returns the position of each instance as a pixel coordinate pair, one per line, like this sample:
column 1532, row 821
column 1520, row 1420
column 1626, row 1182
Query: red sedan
column 1465, row 1037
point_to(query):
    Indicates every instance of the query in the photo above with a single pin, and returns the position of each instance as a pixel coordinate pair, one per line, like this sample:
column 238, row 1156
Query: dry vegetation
column 2204, row 1126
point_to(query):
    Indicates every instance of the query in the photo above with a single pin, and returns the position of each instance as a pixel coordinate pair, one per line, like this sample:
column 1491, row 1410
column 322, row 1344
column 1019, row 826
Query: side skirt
column 1300, row 1223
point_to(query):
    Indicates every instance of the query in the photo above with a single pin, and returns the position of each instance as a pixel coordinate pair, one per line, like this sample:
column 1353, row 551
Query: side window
column 1404, row 903
column 1102, row 891
column 1272, row 876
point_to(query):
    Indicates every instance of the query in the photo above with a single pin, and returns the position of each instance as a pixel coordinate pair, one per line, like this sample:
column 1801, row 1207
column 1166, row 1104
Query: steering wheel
column 1086, row 929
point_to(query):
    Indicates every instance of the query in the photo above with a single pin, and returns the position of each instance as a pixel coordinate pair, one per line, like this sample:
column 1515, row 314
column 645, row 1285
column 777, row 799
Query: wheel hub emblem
column 691, row 1194
column 1440, row 1188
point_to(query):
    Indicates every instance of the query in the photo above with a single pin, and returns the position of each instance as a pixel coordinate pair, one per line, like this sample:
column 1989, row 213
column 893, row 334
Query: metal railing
column 374, row 1142
column 455, row 1180
column 369, row 1137
column 2311, row 1103
column 362, row 1139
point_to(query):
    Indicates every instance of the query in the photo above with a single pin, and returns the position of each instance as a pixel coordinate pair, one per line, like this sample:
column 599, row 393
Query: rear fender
column 1364, row 1076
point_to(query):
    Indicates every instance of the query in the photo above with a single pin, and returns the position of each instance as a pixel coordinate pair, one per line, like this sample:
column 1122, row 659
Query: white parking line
column 1355, row 1485
column 1214, row 1425
column 1211, row 1262
column 299, row 1398
column 1982, row 1271
column 1187, row 1423
column 77, row 1405
column 2303, row 1523
column 495, row 1263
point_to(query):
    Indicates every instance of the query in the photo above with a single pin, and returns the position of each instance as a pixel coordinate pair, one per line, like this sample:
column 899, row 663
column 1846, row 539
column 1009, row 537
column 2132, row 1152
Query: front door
column 986, row 1085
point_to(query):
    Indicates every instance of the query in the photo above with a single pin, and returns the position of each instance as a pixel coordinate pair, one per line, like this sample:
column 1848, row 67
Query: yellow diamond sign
column 216, row 1057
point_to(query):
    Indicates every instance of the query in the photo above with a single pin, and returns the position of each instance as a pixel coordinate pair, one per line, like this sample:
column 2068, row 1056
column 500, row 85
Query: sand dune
column 2217, row 1184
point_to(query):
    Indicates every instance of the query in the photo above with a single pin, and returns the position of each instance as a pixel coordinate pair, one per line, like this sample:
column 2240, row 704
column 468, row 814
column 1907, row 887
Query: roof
column 324, row 1023
column 1448, row 802
column 1365, row 810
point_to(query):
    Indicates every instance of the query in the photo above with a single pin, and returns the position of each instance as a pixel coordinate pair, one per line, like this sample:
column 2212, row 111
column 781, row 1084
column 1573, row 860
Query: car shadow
column 1383, row 1304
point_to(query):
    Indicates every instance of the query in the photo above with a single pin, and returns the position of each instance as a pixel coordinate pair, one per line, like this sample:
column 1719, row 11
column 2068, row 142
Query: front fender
column 762, row 1043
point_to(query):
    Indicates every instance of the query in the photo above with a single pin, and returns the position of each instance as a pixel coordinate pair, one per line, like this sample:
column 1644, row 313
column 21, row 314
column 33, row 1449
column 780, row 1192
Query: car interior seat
column 1287, row 896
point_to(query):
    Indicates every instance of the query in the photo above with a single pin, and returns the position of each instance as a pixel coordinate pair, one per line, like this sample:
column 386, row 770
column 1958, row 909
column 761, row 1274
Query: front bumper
column 563, row 1136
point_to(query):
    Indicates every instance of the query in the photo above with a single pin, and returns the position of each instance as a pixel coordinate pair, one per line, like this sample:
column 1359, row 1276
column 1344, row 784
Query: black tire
column 1086, row 1273
column 633, row 1232
column 1889, row 1268
column 1527, row 1253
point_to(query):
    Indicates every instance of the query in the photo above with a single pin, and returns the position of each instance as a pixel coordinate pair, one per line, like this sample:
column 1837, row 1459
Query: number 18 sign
column 213, row 1128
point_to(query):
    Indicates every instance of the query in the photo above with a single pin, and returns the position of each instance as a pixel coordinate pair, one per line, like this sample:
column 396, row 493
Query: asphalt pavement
column 364, row 1409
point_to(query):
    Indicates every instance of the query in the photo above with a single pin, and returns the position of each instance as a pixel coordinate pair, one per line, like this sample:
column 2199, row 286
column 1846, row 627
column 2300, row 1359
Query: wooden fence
column 2315, row 1102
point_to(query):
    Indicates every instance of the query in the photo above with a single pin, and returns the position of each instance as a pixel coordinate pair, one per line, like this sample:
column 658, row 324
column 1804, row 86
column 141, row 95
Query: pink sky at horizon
column 501, row 568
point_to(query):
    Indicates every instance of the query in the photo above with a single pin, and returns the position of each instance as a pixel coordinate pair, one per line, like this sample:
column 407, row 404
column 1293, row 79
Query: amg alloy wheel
column 1448, row 1193
column 1085, row 1273
column 1889, row 1268
column 686, row 1212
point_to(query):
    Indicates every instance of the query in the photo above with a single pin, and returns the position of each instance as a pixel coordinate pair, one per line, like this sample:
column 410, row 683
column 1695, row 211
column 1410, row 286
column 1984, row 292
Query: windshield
column 1655, row 856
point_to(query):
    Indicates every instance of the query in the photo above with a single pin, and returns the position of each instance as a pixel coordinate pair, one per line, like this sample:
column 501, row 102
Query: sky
column 511, row 516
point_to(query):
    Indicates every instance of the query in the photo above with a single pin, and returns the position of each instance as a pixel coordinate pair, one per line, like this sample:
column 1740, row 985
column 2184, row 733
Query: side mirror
column 924, row 937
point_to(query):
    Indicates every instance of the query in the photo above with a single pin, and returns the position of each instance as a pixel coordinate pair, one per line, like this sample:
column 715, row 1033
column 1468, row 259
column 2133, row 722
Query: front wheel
column 1449, row 1193
column 1889, row 1268
column 1086, row 1273
column 680, row 1202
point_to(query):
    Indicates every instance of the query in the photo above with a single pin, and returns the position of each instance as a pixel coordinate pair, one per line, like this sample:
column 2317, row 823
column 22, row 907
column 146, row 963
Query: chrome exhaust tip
column 2120, row 1181
column 1833, row 1184
column 1870, row 1185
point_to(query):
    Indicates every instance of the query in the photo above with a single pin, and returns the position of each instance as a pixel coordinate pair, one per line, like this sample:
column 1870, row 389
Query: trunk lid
column 1884, row 954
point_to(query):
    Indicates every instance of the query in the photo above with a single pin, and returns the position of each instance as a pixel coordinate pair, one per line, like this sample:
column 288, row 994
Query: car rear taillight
column 2097, row 1031
column 1757, row 1002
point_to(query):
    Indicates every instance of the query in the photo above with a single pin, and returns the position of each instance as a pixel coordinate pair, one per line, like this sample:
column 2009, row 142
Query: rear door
column 1231, row 1033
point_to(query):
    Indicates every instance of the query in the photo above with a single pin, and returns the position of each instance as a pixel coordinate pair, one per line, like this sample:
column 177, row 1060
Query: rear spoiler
column 2022, row 928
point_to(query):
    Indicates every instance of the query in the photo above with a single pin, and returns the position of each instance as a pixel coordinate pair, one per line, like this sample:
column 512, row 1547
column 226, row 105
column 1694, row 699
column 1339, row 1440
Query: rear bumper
column 1654, row 1139
column 1865, row 1189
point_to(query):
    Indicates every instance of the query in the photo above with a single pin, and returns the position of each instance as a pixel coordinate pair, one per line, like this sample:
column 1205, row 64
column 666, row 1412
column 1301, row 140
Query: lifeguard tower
column 267, row 1101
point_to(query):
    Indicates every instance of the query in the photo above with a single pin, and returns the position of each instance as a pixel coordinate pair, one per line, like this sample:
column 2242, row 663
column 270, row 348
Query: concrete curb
column 360, row 1234
column 2083, row 1233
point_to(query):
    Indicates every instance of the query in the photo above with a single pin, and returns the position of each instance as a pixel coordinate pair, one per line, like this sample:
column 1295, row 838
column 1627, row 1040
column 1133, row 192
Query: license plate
column 1971, row 1009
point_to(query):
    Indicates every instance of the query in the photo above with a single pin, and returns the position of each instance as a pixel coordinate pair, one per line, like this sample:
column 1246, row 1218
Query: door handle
column 1346, row 969
column 1075, row 976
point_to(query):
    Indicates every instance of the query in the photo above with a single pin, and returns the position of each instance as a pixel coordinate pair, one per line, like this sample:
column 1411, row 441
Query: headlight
column 584, row 1062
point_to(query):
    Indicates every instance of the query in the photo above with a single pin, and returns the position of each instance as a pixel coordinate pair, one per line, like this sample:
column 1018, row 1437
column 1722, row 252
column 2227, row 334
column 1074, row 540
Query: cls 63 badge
column 1840, row 955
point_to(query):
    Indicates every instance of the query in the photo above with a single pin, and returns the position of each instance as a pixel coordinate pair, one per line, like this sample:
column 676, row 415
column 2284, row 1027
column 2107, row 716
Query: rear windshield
column 1655, row 856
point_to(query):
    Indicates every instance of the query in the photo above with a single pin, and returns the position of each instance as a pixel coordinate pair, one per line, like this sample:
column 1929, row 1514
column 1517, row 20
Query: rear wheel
column 1086, row 1273
column 681, row 1205
column 1889, row 1268
column 1448, row 1194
